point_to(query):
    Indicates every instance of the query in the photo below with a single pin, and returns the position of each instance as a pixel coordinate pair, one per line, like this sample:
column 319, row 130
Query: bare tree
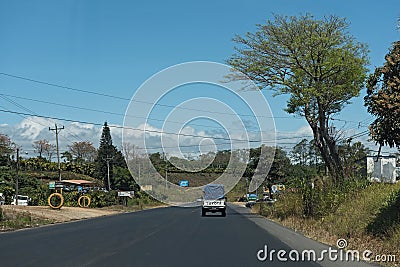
column 130, row 151
column 83, row 151
column 49, row 150
column 40, row 146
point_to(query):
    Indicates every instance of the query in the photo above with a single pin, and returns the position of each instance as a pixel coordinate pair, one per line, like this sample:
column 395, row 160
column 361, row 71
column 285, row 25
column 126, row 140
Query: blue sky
column 112, row 47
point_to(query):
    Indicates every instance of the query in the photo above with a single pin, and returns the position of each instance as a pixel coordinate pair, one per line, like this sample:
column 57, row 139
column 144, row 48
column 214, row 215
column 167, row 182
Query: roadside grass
column 367, row 218
column 13, row 220
column 238, row 191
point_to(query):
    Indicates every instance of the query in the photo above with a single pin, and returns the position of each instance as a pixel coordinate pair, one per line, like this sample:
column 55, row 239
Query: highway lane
column 160, row 237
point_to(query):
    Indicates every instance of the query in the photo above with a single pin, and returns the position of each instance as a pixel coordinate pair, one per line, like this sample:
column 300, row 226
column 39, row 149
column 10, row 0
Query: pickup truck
column 22, row 200
column 213, row 199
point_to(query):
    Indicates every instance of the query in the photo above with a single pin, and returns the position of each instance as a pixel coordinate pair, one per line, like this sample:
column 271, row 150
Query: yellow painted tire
column 57, row 205
column 281, row 187
column 85, row 200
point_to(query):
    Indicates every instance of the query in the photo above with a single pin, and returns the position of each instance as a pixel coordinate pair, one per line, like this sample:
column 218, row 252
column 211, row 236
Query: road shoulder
column 294, row 240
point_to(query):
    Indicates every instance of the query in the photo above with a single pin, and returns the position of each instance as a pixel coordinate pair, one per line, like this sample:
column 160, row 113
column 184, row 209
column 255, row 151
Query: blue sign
column 184, row 183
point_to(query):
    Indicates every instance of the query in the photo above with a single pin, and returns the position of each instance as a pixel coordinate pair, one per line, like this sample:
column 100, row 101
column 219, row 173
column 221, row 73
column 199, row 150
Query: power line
column 124, row 127
column 63, row 87
column 5, row 97
column 111, row 113
column 153, row 131
column 135, row 100
column 359, row 123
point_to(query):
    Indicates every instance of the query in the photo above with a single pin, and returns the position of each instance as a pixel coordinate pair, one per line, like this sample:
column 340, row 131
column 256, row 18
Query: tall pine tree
column 106, row 153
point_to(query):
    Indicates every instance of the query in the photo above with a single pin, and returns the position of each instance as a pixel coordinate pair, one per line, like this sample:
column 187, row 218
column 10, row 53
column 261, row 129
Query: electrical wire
column 154, row 131
column 135, row 100
column 114, row 113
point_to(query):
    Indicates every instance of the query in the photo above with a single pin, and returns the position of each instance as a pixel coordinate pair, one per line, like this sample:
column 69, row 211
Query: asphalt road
column 160, row 237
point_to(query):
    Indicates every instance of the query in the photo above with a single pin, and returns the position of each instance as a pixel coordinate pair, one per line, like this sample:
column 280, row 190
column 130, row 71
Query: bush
column 71, row 198
column 314, row 198
column 101, row 199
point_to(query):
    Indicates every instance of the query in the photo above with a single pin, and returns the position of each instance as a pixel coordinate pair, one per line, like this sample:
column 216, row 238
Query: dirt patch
column 64, row 214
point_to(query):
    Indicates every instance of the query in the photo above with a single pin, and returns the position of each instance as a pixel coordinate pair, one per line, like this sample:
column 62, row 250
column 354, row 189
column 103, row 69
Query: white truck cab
column 213, row 199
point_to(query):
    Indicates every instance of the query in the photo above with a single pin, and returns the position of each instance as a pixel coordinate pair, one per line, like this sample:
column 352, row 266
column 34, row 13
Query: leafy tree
column 314, row 154
column 221, row 159
column 124, row 180
column 300, row 152
column 38, row 163
column 6, row 149
column 119, row 159
column 316, row 62
column 82, row 151
column 383, row 100
column 352, row 156
column 280, row 167
column 106, row 153
column 157, row 160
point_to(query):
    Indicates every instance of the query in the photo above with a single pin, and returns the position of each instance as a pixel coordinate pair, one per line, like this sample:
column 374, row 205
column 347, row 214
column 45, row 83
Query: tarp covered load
column 213, row 191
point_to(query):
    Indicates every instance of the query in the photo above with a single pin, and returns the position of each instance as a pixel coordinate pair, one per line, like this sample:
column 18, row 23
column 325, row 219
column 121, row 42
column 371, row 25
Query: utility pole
column 16, row 179
column 108, row 171
column 139, row 175
column 166, row 171
column 57, row 130
column 166, row 177
column 247, row 187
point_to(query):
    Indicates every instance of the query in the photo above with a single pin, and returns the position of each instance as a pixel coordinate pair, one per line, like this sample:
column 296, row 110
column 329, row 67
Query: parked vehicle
column 22, row 200
column 213, row 199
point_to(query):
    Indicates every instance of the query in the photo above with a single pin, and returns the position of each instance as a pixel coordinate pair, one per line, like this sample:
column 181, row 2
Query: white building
column 382, row 169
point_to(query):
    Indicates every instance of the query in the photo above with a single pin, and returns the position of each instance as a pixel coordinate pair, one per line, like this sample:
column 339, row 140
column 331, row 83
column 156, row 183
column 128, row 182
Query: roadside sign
column 184, row 183
column 52, row 185
column 126, row 194
column 252, row 196
column 146, row 187
column 55, row 184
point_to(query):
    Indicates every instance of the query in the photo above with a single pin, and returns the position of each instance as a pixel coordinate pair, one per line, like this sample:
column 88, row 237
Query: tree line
column 106, row 164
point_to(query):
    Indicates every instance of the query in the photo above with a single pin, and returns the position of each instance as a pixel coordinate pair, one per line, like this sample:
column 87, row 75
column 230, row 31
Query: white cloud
column 190, row 141
column 32, row 129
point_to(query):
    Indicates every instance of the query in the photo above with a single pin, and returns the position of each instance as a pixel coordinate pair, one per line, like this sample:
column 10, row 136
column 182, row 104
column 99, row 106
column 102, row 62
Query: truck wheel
column 203, row 212
column 223, row 213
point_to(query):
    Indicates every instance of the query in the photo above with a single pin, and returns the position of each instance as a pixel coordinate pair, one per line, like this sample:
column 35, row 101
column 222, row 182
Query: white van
column 22, row 200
